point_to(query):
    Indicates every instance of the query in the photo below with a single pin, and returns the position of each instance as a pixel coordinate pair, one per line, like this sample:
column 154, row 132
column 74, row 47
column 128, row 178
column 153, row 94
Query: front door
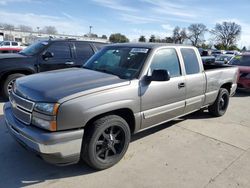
column 62, row 57
column 163, row 100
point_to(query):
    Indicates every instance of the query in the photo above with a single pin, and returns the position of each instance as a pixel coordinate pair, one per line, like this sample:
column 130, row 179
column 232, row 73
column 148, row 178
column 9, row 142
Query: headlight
column 47, row 108
column 44, row 124
column 44, row 116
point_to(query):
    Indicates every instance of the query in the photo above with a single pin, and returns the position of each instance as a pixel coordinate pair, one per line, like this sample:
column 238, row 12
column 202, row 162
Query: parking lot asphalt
column 194, row 151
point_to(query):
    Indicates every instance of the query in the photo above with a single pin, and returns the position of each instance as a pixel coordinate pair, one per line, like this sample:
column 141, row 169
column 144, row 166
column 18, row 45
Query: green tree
column 104, row 37
column 169, row 40
column 118, row 38
column 152, row 38
column 142, row 39
column 244, row 49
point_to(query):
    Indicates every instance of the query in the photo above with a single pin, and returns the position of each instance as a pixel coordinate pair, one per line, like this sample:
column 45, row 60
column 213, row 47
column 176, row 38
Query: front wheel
column 9, row 82
column 219, row 107
column 106, row 142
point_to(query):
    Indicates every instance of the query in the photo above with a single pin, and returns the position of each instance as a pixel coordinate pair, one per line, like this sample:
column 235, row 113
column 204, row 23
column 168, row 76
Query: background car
column 243, row 62
column 217, row 53
column 223, row 59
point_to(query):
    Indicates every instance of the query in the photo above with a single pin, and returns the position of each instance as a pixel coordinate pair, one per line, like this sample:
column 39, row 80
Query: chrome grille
column 22, row 108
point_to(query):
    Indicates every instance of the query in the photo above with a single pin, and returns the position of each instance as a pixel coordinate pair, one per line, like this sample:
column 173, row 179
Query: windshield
column 34, row 48
column 241, row 60
column 124, row 62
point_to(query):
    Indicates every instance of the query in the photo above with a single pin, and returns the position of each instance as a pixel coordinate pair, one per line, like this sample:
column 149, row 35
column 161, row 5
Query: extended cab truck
column 44, row 56
column 89, row 113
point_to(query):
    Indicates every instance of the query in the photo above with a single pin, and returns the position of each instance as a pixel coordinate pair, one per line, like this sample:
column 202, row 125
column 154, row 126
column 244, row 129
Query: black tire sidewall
column 222, row 92
column 99, row 128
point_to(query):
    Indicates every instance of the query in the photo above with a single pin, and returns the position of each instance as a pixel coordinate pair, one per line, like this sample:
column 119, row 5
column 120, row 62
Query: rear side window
column 6, row 43
column 83, row 51
column 14, row 44
column 166, row 59
column 60, row 50
column 191, row 62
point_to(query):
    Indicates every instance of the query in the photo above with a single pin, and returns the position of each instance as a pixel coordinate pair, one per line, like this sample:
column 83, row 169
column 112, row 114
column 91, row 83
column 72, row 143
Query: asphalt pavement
column 195, row 151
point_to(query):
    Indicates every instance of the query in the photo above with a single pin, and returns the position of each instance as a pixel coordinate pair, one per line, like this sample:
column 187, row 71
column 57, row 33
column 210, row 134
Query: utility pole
column 90, row 30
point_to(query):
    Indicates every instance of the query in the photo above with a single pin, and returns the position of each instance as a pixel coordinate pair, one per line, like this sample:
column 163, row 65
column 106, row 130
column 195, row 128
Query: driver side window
column 166, row 59
column 60, row 50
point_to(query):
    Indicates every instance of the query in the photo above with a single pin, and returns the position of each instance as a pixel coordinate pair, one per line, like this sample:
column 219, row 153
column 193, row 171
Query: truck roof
column 146, row 45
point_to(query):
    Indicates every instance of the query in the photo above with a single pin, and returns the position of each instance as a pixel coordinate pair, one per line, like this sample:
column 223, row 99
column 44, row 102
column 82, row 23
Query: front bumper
column 60, row 148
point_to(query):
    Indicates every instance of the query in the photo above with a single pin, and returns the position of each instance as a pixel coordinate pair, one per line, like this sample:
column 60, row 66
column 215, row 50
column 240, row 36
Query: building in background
column 31, row 37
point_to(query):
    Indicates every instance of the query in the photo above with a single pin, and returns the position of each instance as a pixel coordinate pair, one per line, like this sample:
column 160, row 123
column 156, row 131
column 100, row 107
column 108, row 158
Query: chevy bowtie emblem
column 14, row 105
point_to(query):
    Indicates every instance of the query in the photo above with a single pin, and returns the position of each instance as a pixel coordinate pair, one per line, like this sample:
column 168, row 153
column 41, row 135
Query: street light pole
column 90, row 29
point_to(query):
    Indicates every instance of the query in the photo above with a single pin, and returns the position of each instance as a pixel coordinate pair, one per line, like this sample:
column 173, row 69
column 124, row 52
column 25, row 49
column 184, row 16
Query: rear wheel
column 106, row 142
column 219, row 107
column 9, row 82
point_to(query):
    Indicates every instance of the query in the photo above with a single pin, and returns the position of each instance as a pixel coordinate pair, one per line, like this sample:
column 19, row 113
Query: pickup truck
column 90, row 113
column 44, row 56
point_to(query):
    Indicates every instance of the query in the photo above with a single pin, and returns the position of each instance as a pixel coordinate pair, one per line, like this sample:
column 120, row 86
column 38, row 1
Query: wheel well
column 227, row 86
column 125, row 113
column 15, row 72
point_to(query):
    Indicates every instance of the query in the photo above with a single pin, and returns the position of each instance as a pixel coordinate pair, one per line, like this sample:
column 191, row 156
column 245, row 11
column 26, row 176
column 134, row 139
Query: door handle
column 181, row 85
column 69, row 63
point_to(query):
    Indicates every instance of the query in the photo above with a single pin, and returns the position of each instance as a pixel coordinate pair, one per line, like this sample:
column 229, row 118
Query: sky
column 131, row 17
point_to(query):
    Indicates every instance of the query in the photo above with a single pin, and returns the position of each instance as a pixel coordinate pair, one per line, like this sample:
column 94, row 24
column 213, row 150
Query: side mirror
column 47, row 55
column 159, row 75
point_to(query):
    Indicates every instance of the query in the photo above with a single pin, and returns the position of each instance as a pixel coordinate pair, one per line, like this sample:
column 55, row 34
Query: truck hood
column 68, row 83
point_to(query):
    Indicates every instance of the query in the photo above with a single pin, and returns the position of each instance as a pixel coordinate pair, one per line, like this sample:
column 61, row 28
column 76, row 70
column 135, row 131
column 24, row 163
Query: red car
column 243, row 62
column 9, row 50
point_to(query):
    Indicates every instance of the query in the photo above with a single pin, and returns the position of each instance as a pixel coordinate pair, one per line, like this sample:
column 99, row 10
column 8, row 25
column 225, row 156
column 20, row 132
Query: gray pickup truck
column 90, row 113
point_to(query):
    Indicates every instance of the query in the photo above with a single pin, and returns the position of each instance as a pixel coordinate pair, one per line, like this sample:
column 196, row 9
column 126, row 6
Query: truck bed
column 218, row 66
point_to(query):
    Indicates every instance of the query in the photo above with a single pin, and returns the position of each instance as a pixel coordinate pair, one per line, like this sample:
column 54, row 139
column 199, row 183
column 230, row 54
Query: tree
column 169, row 40
column 49, row 30
column 25, row 28
column 244, row 49
column 142, row 39
column 179, row 35
column 226, row 33
column 8, row 26
column 152, row 38
column 118, row 38
column 104, row 37
column 196, row 33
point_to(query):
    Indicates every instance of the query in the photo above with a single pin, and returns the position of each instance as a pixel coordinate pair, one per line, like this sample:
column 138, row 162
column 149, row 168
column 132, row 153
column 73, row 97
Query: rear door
column 161, row 101
column 62, row 58
column 83, row 51
column 195, row 80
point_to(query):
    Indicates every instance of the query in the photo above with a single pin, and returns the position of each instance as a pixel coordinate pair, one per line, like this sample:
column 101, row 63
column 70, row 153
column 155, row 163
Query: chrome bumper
column 59, row 148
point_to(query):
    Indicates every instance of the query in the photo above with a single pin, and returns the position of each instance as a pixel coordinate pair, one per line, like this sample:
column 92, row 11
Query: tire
column 7, row 84
column 219, row 107
column 105, row 142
